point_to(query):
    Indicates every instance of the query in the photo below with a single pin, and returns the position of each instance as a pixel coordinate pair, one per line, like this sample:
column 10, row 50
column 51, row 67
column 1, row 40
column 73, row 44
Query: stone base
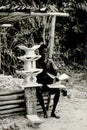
column 34, row 120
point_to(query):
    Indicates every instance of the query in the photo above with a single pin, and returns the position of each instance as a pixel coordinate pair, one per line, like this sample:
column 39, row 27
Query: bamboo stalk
column 11, row 97
column 11, row 92
column 12, row 111
column 9, row 107
column 60, row 14
column 12, row 114
column 40, row 108
column 44, row 23
column 11, row 102
column 52, row 36
column 45, row 101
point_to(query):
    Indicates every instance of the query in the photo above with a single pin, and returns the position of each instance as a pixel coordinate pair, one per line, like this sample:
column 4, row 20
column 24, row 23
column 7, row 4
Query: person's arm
column 52, row 71
column 53, row 65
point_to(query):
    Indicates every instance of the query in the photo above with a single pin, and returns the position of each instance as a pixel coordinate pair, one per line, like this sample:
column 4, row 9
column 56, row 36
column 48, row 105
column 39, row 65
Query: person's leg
column 56, row 99
column 40, row 98
column 48, row 102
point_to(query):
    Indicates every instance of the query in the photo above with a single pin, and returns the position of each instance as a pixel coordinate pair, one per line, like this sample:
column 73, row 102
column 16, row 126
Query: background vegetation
column 70, row 34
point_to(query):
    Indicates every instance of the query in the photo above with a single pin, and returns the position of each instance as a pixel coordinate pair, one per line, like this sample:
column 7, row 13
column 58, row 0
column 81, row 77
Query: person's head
column 43, row 50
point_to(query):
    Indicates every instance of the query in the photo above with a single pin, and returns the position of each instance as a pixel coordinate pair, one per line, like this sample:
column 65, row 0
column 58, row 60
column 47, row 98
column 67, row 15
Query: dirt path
column 72, row 109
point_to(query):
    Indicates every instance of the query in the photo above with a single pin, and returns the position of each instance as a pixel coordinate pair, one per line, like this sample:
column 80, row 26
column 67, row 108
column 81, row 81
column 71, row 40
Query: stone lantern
column 29, row 85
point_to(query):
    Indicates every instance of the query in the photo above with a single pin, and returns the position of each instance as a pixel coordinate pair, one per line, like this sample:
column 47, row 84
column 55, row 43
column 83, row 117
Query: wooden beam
column 61, row 14
column 14, row 16
column 50, row 14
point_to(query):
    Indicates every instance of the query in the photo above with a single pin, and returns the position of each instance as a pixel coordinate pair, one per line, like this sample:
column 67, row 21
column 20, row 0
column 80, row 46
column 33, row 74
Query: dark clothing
column 48, row 67
column 43, row 78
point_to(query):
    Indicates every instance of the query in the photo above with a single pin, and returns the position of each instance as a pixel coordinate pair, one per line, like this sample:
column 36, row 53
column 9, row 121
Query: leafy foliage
column 72, row 33
column 69, row 37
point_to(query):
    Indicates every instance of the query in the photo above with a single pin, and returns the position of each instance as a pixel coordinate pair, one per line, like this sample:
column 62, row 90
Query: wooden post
column 52, row 36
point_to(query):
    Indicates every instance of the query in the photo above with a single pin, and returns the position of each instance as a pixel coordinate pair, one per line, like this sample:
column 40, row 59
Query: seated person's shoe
column 45, row 115
column 64, row 92
column 54, row 115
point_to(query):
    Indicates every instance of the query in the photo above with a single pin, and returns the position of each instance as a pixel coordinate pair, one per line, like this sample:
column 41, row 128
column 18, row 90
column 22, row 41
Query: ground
column 72, row 109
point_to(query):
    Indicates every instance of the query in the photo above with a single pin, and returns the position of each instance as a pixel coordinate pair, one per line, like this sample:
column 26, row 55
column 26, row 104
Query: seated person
column 43, row 78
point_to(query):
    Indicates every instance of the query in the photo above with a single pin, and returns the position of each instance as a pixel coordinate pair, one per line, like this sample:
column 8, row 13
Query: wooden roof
column 6, row 17
column 11, row 14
